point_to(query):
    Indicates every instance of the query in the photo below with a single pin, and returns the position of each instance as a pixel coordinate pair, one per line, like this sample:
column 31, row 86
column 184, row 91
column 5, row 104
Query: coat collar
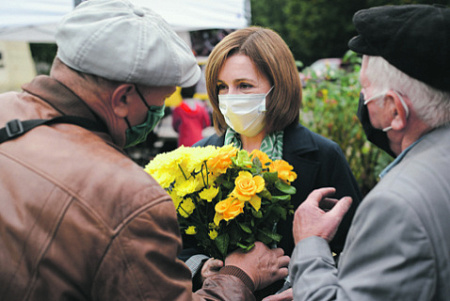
column 63, row 100
column 298, row 139
column 59, row 97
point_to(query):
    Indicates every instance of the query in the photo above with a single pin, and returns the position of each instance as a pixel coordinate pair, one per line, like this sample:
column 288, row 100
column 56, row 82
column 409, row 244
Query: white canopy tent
column 35, row 20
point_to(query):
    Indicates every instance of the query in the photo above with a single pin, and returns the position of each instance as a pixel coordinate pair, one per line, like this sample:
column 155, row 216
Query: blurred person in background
column 190, row 118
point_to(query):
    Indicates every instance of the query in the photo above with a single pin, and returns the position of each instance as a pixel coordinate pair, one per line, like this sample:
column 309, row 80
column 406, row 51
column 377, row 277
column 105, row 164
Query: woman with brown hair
column 255, row 91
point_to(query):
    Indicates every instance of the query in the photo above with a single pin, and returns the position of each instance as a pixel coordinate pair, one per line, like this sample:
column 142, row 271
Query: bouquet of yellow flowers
column 226, row 197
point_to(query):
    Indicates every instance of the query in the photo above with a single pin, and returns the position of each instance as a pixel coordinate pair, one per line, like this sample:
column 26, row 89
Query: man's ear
column 120, row 101
column 398, row 111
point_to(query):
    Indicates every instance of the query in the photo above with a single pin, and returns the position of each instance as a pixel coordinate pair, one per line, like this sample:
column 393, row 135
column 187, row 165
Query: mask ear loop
column 271, row 88
column 143, row 100
column 403, row 103
column 374, row 97
column 142, row 97
column 128, row 123
column 405, row 107
column 264, row 108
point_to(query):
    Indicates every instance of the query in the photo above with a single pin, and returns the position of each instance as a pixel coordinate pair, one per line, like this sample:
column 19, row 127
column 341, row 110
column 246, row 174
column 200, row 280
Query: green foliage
column 313, row 29
column 329, row 109
column 319, row 28
column 43, row 55
column 316, row 29
column 43, row 52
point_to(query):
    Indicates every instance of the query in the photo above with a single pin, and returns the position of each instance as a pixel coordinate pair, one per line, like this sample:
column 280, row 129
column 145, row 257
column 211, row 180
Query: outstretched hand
column 263, row 265
column 210, row 268
column 319, row 216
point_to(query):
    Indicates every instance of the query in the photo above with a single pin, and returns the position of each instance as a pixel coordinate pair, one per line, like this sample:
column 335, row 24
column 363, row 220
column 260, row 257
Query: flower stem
column 182, row 171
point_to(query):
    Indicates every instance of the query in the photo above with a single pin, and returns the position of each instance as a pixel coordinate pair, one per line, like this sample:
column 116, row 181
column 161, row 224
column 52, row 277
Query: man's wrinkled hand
column 211, row 267
column 319, row 215
column 263, row 265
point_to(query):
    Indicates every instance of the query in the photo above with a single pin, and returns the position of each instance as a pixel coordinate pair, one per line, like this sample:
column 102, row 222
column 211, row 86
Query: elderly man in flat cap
column 78, row 219
column 398, row 247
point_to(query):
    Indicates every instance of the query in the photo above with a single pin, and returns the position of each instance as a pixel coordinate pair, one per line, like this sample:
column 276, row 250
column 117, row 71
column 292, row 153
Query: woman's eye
column 245, row 86
column 221, row 87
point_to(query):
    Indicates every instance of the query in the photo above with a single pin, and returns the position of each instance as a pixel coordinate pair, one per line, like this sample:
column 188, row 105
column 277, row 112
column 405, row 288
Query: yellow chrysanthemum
column 161, row 164
column 247, row 186
column 186, row 207
column 213, row 234
column 284, row 170
column 175, row 199
column 209, row 193
column 184, row 187
column 191, row 230
column 200, row 155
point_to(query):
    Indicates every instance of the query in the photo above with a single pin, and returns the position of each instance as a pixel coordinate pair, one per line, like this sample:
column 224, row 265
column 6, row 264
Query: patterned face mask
column 138, row 133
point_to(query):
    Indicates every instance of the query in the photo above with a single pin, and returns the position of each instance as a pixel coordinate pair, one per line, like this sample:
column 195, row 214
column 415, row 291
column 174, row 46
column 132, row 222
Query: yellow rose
column 236, row 207
column 284, row 170
column 221, row 162
column 191, row 230
column 247, row 186
column 222, row 206
column 228, row 209
column 262, row 156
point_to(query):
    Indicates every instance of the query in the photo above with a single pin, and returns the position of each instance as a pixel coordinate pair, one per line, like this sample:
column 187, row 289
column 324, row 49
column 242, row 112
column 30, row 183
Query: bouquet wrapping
column 225, row 197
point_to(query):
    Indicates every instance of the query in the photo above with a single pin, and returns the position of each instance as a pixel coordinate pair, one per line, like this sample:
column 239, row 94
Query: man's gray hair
column 431, row 105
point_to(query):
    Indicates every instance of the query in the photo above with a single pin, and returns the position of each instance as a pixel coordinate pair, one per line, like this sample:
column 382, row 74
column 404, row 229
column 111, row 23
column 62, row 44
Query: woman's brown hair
column 273, row 58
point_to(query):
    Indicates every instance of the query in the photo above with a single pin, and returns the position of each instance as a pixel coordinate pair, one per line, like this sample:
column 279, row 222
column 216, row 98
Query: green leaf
column 245, row 228
column 228, row 184
column 244, row 247
column 270, row 235
column 280, row 211
column 222, row 242
column 263, row 238
column 258, row 214
column 242, row 159
column 270, row 177
column 284, row 187
column 285, row 197
column 257, row 163
column 265, row 194
column 219, row 195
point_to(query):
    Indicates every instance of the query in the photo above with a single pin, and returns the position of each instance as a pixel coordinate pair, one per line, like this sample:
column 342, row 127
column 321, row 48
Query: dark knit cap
column 413, row 38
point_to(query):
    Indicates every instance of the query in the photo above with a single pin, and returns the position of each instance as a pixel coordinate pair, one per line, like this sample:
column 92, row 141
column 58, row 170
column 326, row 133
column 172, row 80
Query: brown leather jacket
column 79, row 220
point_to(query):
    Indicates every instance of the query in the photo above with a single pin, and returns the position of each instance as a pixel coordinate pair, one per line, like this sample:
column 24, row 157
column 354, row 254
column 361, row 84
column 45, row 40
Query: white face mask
column 244, row 113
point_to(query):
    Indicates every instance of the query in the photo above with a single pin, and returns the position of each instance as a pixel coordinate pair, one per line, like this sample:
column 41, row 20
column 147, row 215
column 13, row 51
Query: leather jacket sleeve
column 141, row 263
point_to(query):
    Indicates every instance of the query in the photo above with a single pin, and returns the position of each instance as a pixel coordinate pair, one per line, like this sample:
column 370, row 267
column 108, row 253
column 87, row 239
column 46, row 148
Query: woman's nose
column 232, row 90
